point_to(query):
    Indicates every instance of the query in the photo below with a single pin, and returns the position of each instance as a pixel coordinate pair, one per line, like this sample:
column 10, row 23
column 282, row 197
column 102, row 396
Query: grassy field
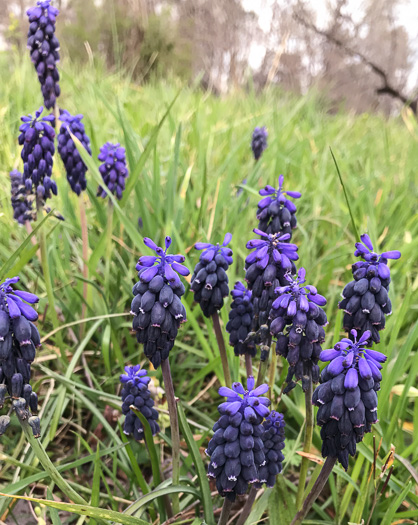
column 184, row 176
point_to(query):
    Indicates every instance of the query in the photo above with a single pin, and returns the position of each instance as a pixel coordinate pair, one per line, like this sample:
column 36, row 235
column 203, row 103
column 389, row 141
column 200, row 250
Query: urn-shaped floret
column 157, row 307
column 240, row 320
column 44, row 46
column 37, row 138
column 266, row 269
column 236, row 449
column 347, row 397
column 113, row 169
column 135, row 393
column 259, row 141
column 19, row 339
column 74, row 166
column 210, row 280
column 366, row 301
column 276, row 213
column 273, row 441
column 297, row 321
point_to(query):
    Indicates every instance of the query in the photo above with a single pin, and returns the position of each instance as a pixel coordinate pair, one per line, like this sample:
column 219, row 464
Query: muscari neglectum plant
column 210, row 286
column 246, row 449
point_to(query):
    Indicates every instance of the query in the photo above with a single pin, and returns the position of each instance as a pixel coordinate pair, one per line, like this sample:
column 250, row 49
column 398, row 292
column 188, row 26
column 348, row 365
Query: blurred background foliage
column 359, row 55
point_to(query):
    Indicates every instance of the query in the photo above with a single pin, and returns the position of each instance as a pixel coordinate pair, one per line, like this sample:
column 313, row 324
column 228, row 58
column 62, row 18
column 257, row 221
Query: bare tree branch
column 387, row 88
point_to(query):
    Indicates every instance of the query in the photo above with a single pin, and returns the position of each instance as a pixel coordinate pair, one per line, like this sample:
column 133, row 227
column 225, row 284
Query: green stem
column 247, row 506
column 222, row 349
column 226, row 509
column 307, row 444
column 109, row 229
column 49, row 467
column 316, row 490
column 174, row 427
column 49, row 287
column 85, row 241
column 272, row 374
column 263, row 367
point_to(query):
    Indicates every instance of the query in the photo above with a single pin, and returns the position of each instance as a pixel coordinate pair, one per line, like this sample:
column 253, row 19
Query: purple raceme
column 44, row 46
column 266, row 267
column 240, row 319
column 210, row 281
column 114, row 170
column 347, row 398
column 276, row 213
column 365, row 299
column 37, row 138
column 74, row 166
column 157, row 307
column 135, row 392
column 259, row 141
column 273, row 440
column 297, row 321
column 236, row 449
column 19, row 338
column 21, row 201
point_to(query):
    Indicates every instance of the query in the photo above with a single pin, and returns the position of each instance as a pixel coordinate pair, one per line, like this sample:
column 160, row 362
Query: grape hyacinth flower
column 74, row 166
column 21, row 201
column 347, row 398
column 259, row 141
column 44, row 46
column 114, row 170
column 19, row 338
column 135, row 392
column 157, row 307
column 236, row 449
column 240, row 319
column 266, row 268
column 273, row 442
column 297, row 320
column 365, row 299
column 276, row 213
column 210, row 281
column 37, row 138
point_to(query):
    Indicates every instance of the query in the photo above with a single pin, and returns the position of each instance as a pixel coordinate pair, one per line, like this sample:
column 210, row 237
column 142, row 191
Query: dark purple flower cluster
column 135, row 392
column 21, row 202
column 37, row 138
column 157, row 307
column 240, row 319
column 74, row 166
column 114, row 170
column 266, row 268
column 19, row 338
column 210, row 281
column 44, row 46
column 273, row 442
column 297, row 322
column 236, row 449
column 276, row 213
column 365, row 299
column 347, row 398
column 259, row 141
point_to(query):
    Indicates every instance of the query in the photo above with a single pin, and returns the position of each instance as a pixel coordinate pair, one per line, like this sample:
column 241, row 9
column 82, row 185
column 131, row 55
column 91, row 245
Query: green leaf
column 393, row 507
column 11, row 260
column 85, row 510
column 200, row 469
column 136, row 507
column 53, row 513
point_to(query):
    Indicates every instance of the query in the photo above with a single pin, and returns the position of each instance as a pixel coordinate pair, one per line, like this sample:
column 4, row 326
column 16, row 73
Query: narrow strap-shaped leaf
column 200, row 468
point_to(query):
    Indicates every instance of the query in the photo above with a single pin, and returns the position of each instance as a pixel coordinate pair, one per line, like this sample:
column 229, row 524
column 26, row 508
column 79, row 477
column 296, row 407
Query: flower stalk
column 316, row 490
column 222, row 349
column 307, row 444
column 174, row 427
